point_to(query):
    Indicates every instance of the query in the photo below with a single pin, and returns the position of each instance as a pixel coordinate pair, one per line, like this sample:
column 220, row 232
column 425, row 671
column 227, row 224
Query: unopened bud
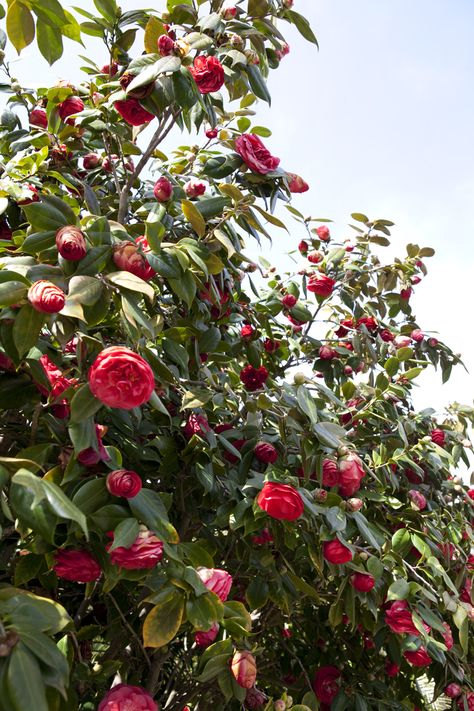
column 279, row 705
column 320, row 495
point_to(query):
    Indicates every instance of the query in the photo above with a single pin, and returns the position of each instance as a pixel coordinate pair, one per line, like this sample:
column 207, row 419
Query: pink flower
column 402, row 341
column 217, row 581
column 144, row 553
column 208, row 73
column 165, row 45
column 127, row 698
column 453, row 691
column 46, row 297
column 417, row 335
column 163, row 189
column 351, row 473
column 296, row 184
column 194, row 188
column 196, row 424
column 399, row 618
column 330, row 473
column 448, row 636
column 90, row 456
column 323, row 233
column 71, row 105
column 121, row 378
column 124, row 483
column 244, row 669
column 289, row 301
column 327, row 353
column 417, row 499
column 39, row 118
column 71, row 243
column 438, row 437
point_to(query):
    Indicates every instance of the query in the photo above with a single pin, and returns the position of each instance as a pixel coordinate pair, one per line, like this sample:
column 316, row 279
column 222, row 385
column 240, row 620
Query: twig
column 157, row 664
column 159, row 135
column 130, row 629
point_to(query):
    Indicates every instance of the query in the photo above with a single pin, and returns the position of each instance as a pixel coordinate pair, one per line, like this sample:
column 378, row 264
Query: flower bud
column 46, row 297
column 163, row 189
column 279, row 705
column 194, row 188
column 91, row 161
column 355, row 504
column 141, row 92
column 70, row 243
column 320, row 495
column 165, row 45
column 244, row 669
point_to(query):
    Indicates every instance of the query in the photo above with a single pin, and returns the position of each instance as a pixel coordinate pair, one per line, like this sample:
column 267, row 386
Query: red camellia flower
column 266, row 452
column 145, row 552
column 254, row 699
column 399, row 618
column 91, row 161
column 46, row 297
column 438, row 437
column 34, row 195
column 296, row 184
column 38, row 117
column 453, row 691
column 336, row 552
column 417, row 335
column 327, row 353
column 315, row 257
column 129, row 257
column 204, row 639
column 208, row 73
column 419, row 658
column 75, row 565
column 71, row 105
column 163, row 189
column 217, row 581
column 165, row 45
column 264, row 537
column 391, row 669
column 406, row 293
column 280, row 501
column 253, row 378
column 330, row 473
column 123, row 482
column 289, row 301
column 362, row 582
column 110, row 69
column 71, row 243
column 254, row 154
column 321, row 284
column 323, row 233
column 133, row 112
column 467, row 697
column 386, row 335
column 326, row 683
column 351, row 473
column 247, row 331
column 194, row 188
column 244, row 669
column 211, row 132
column 271, row 346
column 196, row 424
column 369, row 322
column 124, row 697
column 417, row 499
column 121, row 378
column 303, row 247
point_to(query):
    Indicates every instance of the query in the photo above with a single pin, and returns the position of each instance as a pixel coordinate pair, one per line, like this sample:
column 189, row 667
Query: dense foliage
column 215, row 491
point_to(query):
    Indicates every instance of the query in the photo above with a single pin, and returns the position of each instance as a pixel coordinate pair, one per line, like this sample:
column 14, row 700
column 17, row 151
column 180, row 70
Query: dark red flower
column 336, row 552
column 124, row 483
column 326, row 683
column 133, row 112
column 266, row 452
column 289, row 301
column 271, row 346
column 438, row 437
column 419, row 658
column 38, row 117
column 253, row 378
column 255, row 155
column 362, row 582
column 76, row 565
column 71, row 105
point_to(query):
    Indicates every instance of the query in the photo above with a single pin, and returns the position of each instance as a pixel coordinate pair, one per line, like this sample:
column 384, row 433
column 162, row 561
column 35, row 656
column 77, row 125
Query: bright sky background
column 378, row 121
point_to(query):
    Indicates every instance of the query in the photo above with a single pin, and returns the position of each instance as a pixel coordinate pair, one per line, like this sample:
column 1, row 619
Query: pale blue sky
column 378, row 121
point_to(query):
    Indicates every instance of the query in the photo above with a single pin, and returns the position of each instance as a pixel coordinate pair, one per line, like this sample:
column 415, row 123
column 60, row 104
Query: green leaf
column 392, row 365
column 257, row 592
column 329, row 434
column 50, row 42
column 125, row 534
column 399, row 590
column 48, row 214
column 148, row 75
column 307, row 403
column 193, row 216
column 368, row 530
column 163, row 622
column 47, row 652
column 303, row 27
column 148, row 507
column 202, row 611
column 257, row 83
column 20, row 25
column 26, row 329
column 401, row 541
column 24, row 681
column 107, row 8
column 126, row 280
column 12, row 292
column 83, row 404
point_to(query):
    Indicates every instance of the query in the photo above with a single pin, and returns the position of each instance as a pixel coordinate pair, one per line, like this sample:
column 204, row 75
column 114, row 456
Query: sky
column 378, row 121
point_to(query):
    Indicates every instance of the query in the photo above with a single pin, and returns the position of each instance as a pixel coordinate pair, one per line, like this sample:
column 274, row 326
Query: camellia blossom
column 244, row 669
column 78, row 566
column 145, row 552
column 362, row 582
column 336, row 552
column 133, row 112
column 321, row 284
column 124, row 483
column 208, row 73
column 418, row 658
column 217, row 581
column 253, row 378
column 130, row 257
column 121, row 378
column 46, row 297
column 71, row 243
column 204, row 639
column 351, row 473
column 280, row 501
column 255, row 155
column 296, row 184
column 266, row 452
column 124, row 697
column 399, row 618
column 326, row 683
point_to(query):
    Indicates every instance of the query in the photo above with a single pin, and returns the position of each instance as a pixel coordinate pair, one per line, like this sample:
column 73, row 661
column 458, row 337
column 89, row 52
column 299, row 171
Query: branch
column 159, row 135
column 130, row 629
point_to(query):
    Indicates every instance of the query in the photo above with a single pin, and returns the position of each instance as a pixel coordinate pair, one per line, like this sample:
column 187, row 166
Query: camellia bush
column 215, row 492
